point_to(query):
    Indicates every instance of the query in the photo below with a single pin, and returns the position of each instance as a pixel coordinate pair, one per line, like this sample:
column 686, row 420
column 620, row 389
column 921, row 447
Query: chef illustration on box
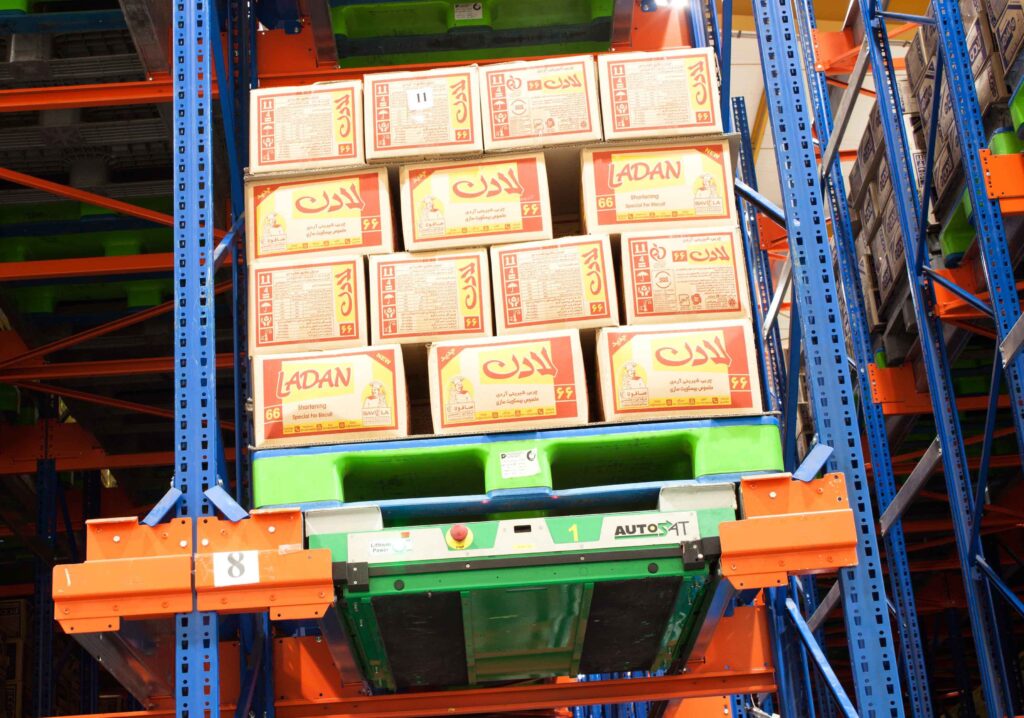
column 707, row 196
column 275, row 233
column 430, row 221
column 376, row 410
column 460, row 405
column 632, row 387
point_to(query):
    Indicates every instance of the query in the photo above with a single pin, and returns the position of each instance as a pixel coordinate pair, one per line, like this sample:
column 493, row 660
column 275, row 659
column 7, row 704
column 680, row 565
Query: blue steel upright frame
column 912, row 656
column 911, row 209
column 197, row 441
column 872, row 650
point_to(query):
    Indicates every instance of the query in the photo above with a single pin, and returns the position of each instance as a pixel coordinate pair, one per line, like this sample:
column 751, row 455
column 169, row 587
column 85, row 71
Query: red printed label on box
column 538, row 100
column 476, row 200
column 422, row 112
column 704, row 368
column 653, row 92
column 659, row 185
column 555, row 283
column 321, row 214
column 430, row 296
column 327, row 393
column 506, row 383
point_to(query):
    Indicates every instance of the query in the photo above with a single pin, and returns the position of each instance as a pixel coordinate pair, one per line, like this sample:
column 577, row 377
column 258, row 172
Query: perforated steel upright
column 902, row 591
column 870, row 636
column 197, row 445
column 992, row 241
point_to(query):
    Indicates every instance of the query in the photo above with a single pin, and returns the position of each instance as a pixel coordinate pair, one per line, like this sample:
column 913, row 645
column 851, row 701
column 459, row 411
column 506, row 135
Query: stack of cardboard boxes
column 472, row 150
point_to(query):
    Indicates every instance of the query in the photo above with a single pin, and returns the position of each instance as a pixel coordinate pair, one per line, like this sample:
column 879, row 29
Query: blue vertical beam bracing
column 239, row 57
column 89, row 671
column 900, row 584
column 873, row 659
column 930, row 330
column 988, row 219
column 46, row 532
column 196, row 665
column 758, row 268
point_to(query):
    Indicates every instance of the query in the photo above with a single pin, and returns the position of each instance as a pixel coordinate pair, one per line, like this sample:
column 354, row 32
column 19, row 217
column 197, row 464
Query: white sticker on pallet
column 236, row 568
column 519, row 464
column 469, row 11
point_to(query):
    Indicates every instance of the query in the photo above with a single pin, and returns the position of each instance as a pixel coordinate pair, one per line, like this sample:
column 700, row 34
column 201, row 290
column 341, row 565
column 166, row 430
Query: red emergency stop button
column 459, row 536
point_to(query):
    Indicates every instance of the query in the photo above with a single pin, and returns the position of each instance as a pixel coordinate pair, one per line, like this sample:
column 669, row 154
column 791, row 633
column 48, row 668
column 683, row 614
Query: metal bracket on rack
column 788, row 527
column 130, row 571
column 260, row 565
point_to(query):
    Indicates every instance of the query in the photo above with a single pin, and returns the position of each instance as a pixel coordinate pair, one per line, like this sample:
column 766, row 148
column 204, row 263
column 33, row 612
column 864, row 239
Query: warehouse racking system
column 190, row 644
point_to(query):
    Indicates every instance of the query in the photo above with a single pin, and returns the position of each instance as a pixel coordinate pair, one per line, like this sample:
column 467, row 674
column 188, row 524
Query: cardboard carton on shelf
column 421, row 114
column 330, row 397
column 307, row 306
column 530, row 381
column 298, row 216
column 1009, row 34
column 684, row 275
column 429, row 296
column 667, row 371
column 554, row 284
column 631, row 188
column 659, row 94
column 305, row 128
column 540, row 103
column 468, row 203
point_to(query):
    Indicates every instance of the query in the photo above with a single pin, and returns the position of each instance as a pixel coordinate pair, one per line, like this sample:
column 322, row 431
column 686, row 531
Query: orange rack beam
column 1004, row 180
column 893, row 388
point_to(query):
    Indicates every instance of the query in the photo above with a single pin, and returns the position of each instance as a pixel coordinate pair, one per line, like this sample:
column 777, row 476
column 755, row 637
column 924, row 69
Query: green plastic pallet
column 595, row 456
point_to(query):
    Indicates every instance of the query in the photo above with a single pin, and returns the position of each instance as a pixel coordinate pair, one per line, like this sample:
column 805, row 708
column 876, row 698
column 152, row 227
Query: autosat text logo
column 642, row 529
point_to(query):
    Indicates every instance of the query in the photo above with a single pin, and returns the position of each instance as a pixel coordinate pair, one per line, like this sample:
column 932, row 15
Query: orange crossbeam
column 284, row 578
column 893, row 388
column 130, row 571
column 788, row 527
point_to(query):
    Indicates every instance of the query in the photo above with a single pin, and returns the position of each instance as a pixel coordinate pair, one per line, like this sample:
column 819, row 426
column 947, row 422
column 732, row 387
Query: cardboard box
column 916, row 60
column 869, row 207
column 532, row 381
column 638, row 187
column 1009, row 34
column 305, row 128
column 292, row 216
column 307, row 306
column 684, row 275
column 540, row 103
column 421, row 298
column 480, row 201
column 856, row 182
column 431, row 113
column 14, row 618
column 893, row 235
column 991, row 86
column 867, row 146
column 980, row 48
column 554, row 284
column 924, row 93
column 330, row 397
column 659, row 94
column 678, row 370
column 880, row 263
column 946, row 169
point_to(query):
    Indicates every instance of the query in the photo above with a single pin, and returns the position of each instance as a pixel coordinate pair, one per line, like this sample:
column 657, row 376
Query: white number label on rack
column 236, row 568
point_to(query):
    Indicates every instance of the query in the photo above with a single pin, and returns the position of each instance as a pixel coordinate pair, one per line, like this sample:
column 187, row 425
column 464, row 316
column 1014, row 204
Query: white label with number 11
column 236, row 568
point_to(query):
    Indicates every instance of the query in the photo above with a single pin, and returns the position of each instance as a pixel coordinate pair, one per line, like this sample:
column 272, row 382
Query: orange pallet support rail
column 788, row 527
column 260, row 564
column 137, row 571
column 1004, row 179
column 130, row 571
